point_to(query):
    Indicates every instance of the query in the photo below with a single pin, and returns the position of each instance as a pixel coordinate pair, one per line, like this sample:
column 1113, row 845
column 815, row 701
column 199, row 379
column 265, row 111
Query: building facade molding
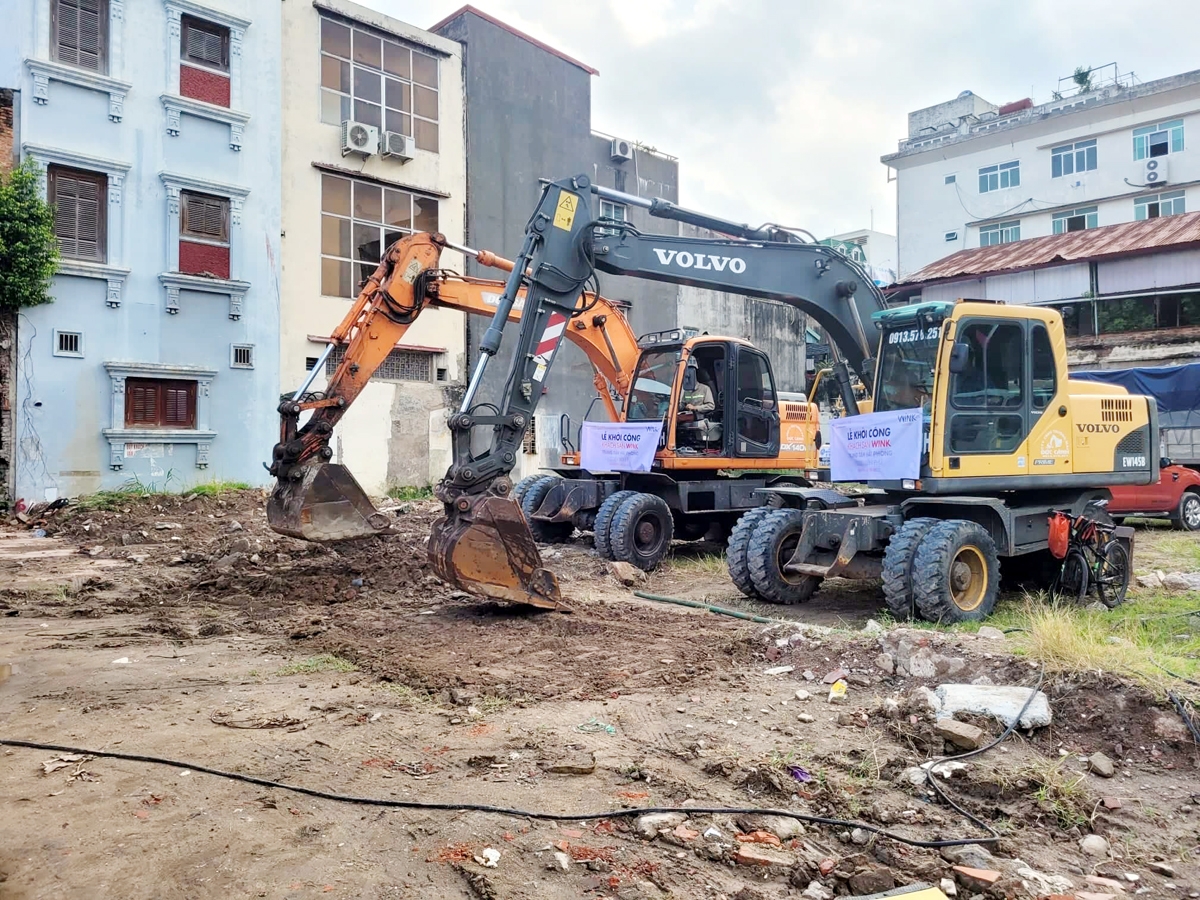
column 237, row 26
column 114, row 275
column 174, row 282
column 174, row 106
column 44, row 71
column 118, row 435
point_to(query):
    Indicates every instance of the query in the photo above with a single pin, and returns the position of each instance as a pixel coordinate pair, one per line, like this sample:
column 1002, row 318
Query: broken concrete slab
column 649, row 825
column 1101, row 765
column 961, row 734
column 1001, row 702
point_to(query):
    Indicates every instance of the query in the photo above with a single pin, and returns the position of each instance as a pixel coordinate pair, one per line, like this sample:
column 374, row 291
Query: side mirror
column 959, row 354
column 1164, row 462
column 690, row 377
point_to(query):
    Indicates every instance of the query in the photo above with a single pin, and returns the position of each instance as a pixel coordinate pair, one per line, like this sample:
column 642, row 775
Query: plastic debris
column 800, row 774
column 489, row 858
column 594, row 725
column 837, row 692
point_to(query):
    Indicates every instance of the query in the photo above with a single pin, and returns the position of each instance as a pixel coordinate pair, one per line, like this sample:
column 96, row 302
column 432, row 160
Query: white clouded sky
column 780, row 109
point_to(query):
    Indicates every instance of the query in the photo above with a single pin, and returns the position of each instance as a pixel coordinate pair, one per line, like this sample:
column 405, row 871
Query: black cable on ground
column 506, row 811
column 1185, row 715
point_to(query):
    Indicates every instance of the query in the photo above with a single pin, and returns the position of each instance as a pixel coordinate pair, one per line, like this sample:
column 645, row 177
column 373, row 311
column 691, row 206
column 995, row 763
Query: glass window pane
column 425, row 102
column 335, row 195
column 397, row 208
column 1056, row 166
column 366, row 85
column 335, row 108
column 335, row 38
column 426, row 211
column 368, row 201
column 1177, row 140
column 983, row 184
column 335, row 277
column 395, row 59
column 1091, row 158
column 335, row 74
column 365, row 271
column 335, row 236
column 1014, row 178
column 426, row 135
column 367, row 49
column 368, row 113
column 425, row 70
column 399, row 122
column 390, row 237
column 398, row 95
column 366, row 242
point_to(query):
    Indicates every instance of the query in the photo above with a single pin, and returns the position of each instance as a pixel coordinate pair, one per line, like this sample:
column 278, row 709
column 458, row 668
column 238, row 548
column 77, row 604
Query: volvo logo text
column 1089, row 428
column 707, row 262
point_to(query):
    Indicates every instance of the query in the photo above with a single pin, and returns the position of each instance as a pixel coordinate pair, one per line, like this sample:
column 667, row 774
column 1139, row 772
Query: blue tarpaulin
column 1175, row 388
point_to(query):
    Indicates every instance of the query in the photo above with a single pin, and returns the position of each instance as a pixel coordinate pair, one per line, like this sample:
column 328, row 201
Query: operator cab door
column 756, row 407
column 990, row 397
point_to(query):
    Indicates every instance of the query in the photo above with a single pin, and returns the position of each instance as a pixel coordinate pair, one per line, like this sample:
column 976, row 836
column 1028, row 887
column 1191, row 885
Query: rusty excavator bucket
column 324, row 504
column 483, row 545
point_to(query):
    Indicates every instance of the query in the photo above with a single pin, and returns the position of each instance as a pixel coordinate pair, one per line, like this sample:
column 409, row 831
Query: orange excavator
column 484, row 543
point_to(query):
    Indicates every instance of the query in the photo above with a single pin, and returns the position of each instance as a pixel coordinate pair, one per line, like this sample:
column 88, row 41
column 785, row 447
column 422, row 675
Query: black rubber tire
column 544, row 532
column 771, row 546
column 1187, row 516
column 1114, row 574
column 932, row 575
column 735, row 550
column 1072, row 581
column 521, row 488
column 897, row 566
column 628, row 535
column 603, row 523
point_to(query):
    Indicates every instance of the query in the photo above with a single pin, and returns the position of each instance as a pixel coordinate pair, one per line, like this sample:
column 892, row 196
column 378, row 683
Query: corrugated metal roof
column 1171, row 232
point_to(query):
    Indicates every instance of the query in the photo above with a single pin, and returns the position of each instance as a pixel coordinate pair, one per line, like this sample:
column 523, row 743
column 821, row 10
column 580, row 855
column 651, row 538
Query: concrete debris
column 779, row 670
column 489, row 858
column 961, row 734
column 1166, row 870
column 923, row 700
column 949, row 888
column 873, row 627
column 1182, row 581
column 649, row 825
column 860, row 836
column 971, row 855
column 1101, row 765
column 803, row 695
column 872, row 880
column 987, row 632
column 1001, row 702
column 783, row 827
column 806, row 717
column 626, row 573
column 562, row 862
column 1153, row 580
column 1108, row 884
column 914, row 775
column 1039, row 884
column 817, row 891
column 949, row 768
column 1094, row 845
column 886, row 662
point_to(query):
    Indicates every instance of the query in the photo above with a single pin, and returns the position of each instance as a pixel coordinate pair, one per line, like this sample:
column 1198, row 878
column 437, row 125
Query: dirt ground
column 183, row 628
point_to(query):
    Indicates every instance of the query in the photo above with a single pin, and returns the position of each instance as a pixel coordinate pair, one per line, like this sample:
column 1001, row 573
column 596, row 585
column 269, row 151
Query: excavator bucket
column 489, row 550
column 325, row 504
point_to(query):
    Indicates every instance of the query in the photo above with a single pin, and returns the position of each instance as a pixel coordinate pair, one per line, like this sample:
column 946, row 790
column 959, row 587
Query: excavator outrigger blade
column 324, row 504
column 483, row 545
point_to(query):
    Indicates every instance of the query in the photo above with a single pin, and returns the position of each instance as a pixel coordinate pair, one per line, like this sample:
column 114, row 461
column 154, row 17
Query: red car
column 1176, row 496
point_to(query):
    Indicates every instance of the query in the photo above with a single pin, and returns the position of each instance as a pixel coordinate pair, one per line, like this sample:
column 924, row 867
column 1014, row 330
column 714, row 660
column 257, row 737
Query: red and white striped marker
column 547, row 343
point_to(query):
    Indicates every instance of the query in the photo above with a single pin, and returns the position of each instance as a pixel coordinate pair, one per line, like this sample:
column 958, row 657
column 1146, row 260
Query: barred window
column 400, row 365
column 529, row 442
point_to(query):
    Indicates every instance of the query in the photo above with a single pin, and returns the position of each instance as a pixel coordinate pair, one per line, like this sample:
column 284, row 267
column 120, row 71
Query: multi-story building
column 873, row 250
column 156, row 126
column 528, row 116
column 347, row 200
column 973, row 174
column 8, row 320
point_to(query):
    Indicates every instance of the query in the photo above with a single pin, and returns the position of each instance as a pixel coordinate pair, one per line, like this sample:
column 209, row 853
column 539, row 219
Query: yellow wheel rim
column 968, row 578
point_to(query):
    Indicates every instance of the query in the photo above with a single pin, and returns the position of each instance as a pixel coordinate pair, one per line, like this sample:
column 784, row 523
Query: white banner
column 884, row 446
column 618, row 446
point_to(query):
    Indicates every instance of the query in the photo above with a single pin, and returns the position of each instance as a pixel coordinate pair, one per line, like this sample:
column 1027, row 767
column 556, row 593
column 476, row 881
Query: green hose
column 719, row 610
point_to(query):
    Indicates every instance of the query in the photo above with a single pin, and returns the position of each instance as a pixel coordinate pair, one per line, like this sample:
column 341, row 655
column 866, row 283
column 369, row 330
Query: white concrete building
column 343, row 62
column 875, row 250
column 973, row 174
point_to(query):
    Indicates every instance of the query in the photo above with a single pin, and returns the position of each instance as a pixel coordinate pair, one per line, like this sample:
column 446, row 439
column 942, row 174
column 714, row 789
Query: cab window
column 1045, row 378
column 988, row 395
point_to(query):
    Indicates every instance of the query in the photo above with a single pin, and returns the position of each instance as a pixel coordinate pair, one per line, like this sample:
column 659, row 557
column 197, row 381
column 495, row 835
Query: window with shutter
column 204, row 217
column 79, row 33
column 160, row 403
column 204, row 43
column 80, row 212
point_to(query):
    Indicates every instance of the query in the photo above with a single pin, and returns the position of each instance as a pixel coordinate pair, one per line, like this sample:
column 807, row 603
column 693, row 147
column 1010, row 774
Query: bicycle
column 1094, row 559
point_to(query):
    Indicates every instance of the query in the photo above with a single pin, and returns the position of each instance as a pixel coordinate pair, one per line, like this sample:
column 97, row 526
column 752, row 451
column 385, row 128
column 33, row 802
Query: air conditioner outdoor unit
column 397, row 145
column 621, row 150
column 360, row 138
column 1154, row 171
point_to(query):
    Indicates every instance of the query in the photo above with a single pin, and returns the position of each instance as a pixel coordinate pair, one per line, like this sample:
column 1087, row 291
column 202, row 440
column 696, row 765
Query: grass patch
column 706, row 564
column 326, row 662
column 217, row 488
column 1177, row 551
column 1060, row 793
column 1150, row 627
column 406, row 695
column 409, row 492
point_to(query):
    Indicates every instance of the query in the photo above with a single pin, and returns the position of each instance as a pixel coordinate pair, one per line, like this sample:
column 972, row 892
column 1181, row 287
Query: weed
column 129, row 489
column 707, row 564
column 1059, row 792
column 406, row 695
column 326, row 662
column 410, row 492
column 217, row 488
